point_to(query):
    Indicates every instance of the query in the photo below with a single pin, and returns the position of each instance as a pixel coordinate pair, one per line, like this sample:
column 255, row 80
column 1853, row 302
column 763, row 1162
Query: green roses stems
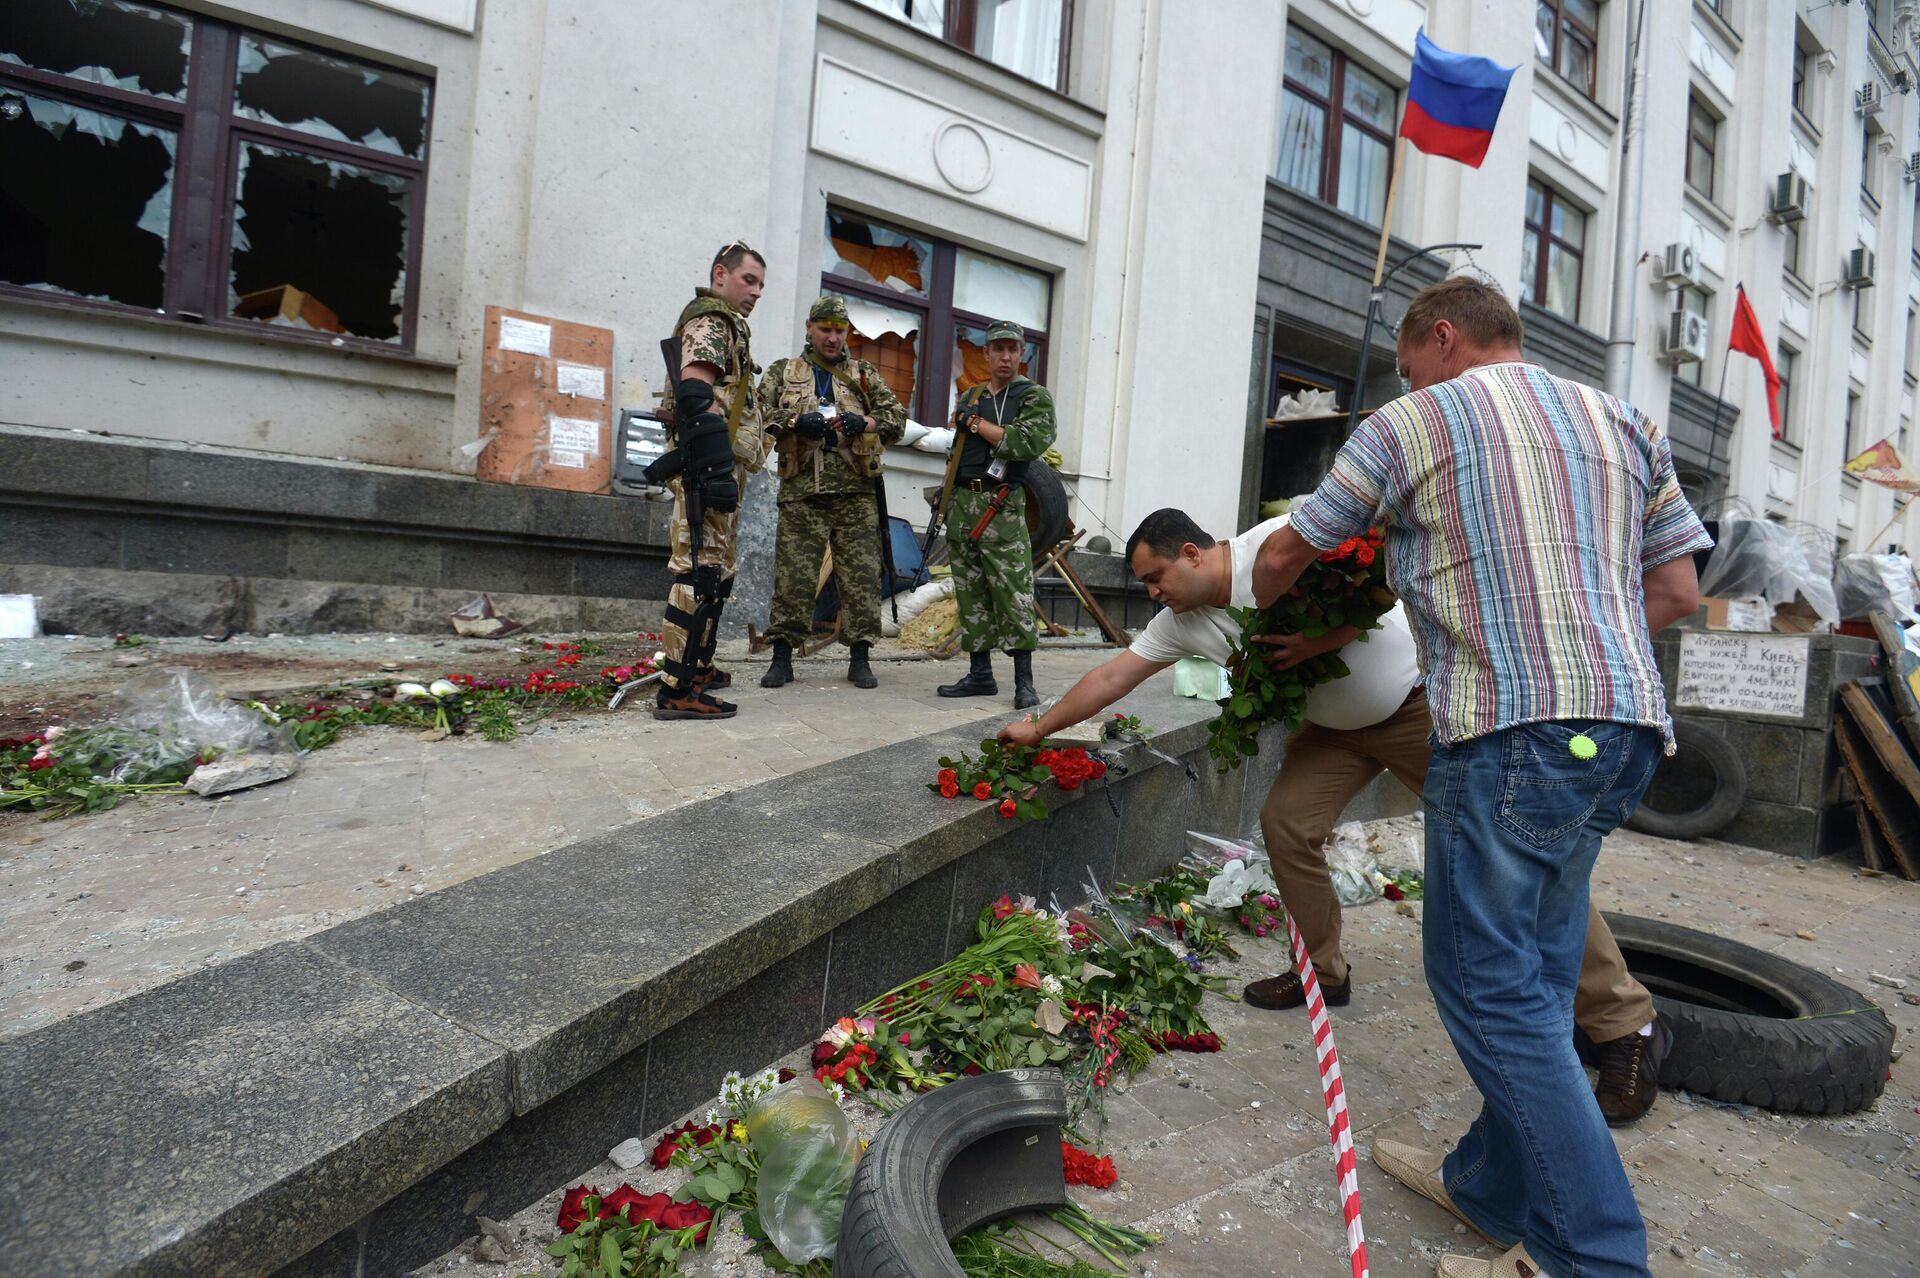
column 1346, row 586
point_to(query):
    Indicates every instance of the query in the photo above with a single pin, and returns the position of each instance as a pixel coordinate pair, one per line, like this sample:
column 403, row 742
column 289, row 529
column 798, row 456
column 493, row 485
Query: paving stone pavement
column 1227, row 1155
column 94, row 908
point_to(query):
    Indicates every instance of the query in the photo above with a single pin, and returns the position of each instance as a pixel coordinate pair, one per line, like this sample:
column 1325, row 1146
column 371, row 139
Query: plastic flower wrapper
column 807, row 1152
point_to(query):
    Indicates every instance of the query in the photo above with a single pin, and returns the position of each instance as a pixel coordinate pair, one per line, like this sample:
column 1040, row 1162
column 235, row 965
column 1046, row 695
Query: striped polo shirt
column 1521, row 511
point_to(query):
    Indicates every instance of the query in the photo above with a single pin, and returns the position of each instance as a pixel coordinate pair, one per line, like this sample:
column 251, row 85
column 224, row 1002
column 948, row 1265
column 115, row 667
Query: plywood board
column 546, row 406
column 1883, row 797
column 1905, row 704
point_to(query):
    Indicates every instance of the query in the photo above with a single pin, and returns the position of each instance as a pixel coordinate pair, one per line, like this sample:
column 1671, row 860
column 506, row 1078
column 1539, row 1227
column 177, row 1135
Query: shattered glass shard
column 86, row 201
column 111, row 42
column 320, row 242
column 331, row 97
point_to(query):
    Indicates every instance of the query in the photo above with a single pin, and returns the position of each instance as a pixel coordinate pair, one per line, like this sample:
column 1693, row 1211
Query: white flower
column 1051, row 986
column 711, row 1117
column 836, row 1035
column 444, row 688
column 408, row 691
column 837, row 1092
column 54, row 733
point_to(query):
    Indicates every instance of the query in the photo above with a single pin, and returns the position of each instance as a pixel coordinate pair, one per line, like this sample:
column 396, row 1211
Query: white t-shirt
column 1383, row 666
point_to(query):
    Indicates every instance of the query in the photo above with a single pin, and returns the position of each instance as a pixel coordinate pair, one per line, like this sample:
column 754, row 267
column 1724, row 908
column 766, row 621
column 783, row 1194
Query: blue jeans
column 1513, row 824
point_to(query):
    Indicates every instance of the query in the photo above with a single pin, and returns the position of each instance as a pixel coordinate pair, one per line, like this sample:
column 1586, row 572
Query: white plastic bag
column 1351, row 862
column 1863, row 583
column 1198, row 677
column 914, row 602
column 807, row 1150
column 938, row 439
column 1760, row 557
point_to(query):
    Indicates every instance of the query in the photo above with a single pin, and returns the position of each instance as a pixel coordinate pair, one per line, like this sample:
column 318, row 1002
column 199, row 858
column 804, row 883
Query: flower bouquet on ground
column 1010, row 776
column 1345, row 586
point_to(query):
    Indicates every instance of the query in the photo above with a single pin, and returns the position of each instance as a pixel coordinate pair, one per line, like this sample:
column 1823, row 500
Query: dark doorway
column 1296, row 453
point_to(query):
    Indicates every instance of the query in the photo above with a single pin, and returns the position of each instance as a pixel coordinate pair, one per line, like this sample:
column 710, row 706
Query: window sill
column 877, row 27
column 1706, row 206
column 1788, row 447
column 1802, row 289
column 289, row 339
column 1575, row 97
column 1869, row 202
column 1718, row 23
column 1806, row 123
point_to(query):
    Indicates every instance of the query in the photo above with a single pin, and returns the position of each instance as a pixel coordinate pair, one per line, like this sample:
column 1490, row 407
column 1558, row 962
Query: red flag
column 1748, row 340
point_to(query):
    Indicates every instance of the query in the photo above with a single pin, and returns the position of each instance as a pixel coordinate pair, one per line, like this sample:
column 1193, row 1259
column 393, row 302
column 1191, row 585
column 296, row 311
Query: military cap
column 1005, row 331
column 829, row 307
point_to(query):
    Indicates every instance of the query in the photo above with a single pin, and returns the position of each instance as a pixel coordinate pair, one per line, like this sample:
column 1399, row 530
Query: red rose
column 573, row 1208
column 42, row 761
column 1008, row 807
column 1364, row 554
column 949, row 790
column 982, row 791
column 628, row 1197
column 682, row 1215
column 823, row 1053
column 948, row 776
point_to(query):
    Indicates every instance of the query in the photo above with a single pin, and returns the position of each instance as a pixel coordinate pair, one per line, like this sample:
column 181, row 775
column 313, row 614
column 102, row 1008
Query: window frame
column 1335, row 117
column 200, row 224
column 940, row 318
column 1797, row 94
column 1787, row 365
column 1592, row 36
column 1849, row 423
column 1536, row 288
column 1698, row 109
column 960, row 23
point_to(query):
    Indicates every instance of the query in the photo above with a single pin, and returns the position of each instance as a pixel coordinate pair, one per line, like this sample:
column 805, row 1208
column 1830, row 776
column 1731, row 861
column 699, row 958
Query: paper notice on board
column 574, row 434
column 572, row 458
column 525, row 336
column 583, row 380
column 1743, row 673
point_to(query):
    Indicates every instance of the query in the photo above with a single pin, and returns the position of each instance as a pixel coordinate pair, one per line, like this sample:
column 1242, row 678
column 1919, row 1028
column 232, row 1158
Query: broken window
column 920, row 308
column 111, row 42
column 315, row 162
column 329, row 97
column 319, row 244
column 85, row 201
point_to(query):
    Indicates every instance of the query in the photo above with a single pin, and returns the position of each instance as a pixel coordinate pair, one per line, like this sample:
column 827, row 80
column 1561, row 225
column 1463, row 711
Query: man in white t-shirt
column 1373, row 720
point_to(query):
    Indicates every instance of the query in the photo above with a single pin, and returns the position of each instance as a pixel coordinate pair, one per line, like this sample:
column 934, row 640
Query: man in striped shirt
column 1537, row 535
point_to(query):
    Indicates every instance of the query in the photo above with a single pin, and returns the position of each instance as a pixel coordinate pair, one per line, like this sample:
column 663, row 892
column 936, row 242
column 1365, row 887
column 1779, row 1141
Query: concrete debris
column 629, row 1153
column 241, row 772
column 478, row 619
column 1805, row 935
column 1891, row 982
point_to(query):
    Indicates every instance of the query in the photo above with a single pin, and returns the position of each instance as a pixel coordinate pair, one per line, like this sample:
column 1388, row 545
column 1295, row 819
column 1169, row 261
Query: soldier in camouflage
column 716, row 391
column 1004, row 425
column 831, row 416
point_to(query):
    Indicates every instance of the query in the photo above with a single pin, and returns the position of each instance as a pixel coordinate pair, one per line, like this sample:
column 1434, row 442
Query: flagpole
column 1376, row 295
column 1739, row 291
column 1871, row 542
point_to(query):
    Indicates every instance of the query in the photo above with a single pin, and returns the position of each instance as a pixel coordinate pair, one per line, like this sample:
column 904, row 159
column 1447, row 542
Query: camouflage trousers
column 691, row 631
column 992, row 577
column 850, row 524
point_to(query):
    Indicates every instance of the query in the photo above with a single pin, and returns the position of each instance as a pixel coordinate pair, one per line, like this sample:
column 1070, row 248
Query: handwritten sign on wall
column 1744, row 673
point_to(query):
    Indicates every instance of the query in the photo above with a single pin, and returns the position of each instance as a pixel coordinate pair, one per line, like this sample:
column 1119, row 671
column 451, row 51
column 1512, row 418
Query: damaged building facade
column 246, row 253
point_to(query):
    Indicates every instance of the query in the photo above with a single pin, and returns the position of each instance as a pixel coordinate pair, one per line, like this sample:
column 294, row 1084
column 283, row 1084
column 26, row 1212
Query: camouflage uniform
column 993, row 577
column 827, row 489
column 711, row 332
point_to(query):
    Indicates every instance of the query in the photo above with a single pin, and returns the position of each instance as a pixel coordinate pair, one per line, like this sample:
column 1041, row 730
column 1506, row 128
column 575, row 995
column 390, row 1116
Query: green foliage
column 615, row 1248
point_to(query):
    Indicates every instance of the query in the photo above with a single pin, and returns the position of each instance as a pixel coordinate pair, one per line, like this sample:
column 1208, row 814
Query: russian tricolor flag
column 1453, row 102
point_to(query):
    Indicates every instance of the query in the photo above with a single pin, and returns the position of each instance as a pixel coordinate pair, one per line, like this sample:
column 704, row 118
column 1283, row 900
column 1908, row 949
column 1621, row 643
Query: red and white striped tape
column 1339, row 1128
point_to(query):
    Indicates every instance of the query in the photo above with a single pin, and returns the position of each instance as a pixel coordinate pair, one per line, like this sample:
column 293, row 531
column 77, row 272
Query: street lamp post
column 1374, row 316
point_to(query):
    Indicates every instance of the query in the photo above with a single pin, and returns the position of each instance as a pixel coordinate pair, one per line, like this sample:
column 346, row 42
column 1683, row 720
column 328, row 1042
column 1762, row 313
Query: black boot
column 977, row 682
column 859, row 673
column 780, row 669
column 1024, row 696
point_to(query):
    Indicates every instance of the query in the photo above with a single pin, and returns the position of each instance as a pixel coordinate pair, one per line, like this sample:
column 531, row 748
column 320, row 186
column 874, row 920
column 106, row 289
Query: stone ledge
column 350, row 1095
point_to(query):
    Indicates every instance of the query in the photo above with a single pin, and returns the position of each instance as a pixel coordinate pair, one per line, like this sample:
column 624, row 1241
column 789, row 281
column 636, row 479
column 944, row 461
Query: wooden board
column 1892, row 646
column 1874, row 852
column 546, row 403
column 1872, row 720
column 1891, row 808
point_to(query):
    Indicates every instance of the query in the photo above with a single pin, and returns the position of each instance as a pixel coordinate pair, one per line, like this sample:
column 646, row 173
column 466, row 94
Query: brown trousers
column 1322, row 771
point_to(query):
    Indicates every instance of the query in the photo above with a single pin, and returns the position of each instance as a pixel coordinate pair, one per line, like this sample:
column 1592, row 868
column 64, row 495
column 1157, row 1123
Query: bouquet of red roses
column 1345, row 586
column 1010, row 776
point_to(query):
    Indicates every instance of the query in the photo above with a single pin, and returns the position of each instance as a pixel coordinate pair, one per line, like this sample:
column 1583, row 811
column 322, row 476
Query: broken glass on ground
column 319, row 244
column 331, row 97
column 111, row 42
column 86, row 199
